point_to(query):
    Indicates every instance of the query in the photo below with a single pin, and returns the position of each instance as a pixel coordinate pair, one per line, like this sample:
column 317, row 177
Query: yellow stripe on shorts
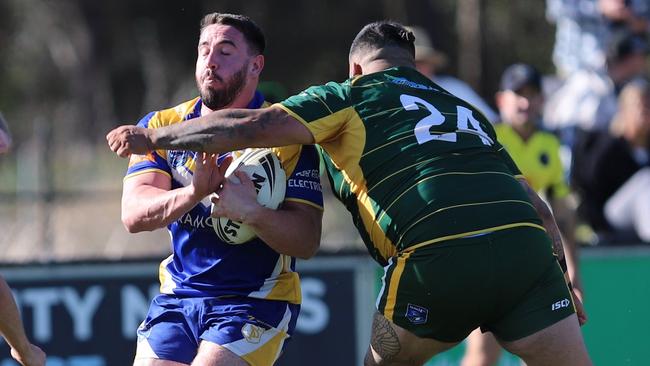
column 391, row 298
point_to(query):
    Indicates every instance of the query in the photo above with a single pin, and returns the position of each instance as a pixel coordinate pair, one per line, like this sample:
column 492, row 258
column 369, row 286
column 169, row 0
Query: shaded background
column 70, row 70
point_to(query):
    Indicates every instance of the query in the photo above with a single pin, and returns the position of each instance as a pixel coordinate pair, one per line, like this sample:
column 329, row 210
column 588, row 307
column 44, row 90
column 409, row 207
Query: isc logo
column 560, row 304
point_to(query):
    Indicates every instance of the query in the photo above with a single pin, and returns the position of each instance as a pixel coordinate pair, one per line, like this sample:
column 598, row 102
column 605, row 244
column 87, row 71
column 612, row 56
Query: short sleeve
column 303, row 184
column 152, row 161
column 324, row 110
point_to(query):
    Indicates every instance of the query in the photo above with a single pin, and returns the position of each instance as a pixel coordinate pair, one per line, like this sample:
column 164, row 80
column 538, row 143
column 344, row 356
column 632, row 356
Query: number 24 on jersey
column 466, row 123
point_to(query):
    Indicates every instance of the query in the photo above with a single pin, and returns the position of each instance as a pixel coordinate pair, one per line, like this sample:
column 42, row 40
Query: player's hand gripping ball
column 263, row 167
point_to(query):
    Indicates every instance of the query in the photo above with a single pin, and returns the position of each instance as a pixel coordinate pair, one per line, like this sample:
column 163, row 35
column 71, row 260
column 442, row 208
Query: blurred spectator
column 611, row 170
column 537, row 154
column 583, row 29
column 5, row 136
column 428, row 61
column 587, row 99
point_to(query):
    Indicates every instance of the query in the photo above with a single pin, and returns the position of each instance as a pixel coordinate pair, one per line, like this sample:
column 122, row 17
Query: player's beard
column 218, row 98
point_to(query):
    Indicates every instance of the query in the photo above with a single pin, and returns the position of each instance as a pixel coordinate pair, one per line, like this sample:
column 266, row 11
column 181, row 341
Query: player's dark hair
column 251, row 31
column 384, row 34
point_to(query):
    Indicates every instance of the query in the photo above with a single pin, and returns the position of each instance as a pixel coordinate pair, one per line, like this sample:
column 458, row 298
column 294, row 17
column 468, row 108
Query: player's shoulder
column 329, row 88
column 293, row 155
column 169, row 116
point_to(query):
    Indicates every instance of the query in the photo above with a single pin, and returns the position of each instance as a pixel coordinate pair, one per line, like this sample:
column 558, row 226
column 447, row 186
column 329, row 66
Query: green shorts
column 507, row 282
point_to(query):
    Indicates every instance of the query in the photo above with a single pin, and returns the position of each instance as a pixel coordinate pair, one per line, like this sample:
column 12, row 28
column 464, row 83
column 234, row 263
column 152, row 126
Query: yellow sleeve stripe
column 306, row 202
column 145, row 171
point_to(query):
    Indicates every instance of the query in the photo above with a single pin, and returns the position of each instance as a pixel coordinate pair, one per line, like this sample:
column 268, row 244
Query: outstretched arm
column 219, row 131
column 11, row 327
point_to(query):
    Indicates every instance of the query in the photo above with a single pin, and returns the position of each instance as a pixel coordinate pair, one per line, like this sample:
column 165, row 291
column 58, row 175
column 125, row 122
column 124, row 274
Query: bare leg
column 156, row 362
column 392, row 345
column 560, row 344
column 212, row 354
column 482, row 349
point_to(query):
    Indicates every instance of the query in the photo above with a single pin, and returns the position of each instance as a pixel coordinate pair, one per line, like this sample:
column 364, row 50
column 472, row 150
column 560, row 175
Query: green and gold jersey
column 413, row 164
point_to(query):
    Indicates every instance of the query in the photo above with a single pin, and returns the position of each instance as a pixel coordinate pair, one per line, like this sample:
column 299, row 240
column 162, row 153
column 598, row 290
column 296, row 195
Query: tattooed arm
column 554, row 232
column 547, row 219
column 219, row 131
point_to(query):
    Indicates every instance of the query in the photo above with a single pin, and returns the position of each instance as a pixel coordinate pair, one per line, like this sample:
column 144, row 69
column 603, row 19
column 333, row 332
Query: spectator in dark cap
column 537, row 155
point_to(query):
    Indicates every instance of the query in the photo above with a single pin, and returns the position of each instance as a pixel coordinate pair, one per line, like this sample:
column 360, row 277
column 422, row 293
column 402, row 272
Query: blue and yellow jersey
column 201, row 264
column 538, row 158
column 413, row 164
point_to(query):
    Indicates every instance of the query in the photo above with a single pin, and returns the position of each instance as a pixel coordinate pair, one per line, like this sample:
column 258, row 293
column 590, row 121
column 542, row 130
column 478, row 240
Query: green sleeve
column 325, row 109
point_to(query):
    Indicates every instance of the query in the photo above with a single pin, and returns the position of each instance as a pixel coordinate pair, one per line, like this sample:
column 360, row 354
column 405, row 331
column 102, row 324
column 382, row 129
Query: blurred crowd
column 580, row 135
column 577, row 130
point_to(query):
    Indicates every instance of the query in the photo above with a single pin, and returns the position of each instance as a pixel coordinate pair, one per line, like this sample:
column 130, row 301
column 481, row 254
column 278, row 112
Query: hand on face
column 236, row 201
column 208, row 176
column 127, row 140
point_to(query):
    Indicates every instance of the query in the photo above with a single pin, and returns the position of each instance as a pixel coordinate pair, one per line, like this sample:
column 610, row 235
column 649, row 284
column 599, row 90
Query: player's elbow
column 311, row 246
column 132, row 224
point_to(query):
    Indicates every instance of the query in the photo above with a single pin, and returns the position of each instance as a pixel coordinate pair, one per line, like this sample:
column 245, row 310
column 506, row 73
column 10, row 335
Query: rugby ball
column 263, row 167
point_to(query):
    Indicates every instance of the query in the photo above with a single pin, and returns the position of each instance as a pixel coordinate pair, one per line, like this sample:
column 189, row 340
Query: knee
column 369, row 360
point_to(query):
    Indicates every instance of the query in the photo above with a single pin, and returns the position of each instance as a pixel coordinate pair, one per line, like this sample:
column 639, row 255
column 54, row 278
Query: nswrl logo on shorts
column 252, row 333
column 416, row 314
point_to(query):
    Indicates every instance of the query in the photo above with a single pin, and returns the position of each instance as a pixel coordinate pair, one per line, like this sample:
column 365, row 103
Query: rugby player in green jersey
column 464, row 240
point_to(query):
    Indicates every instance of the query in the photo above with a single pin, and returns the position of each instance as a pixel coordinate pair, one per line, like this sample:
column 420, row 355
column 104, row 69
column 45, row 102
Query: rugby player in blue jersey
column 221, row 304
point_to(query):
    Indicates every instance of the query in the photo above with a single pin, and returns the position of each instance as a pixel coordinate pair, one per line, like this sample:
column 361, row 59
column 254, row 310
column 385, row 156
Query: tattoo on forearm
column 220, row 131
column 384, row 338
column 548, row 221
